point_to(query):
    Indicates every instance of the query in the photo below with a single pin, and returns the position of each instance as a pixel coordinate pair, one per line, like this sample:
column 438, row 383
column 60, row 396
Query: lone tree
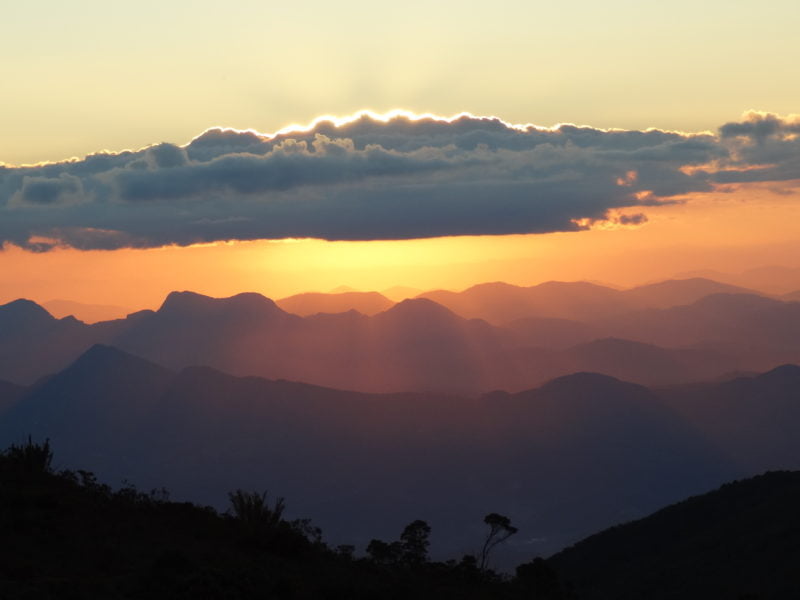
column 414, row 542
column 500, row 529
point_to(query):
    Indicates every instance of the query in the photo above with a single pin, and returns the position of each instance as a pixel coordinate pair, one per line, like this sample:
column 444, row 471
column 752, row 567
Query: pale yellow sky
column 83, row 76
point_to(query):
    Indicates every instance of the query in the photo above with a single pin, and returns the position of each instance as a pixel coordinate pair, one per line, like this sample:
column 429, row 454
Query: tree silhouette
column 500, row 529
column 414, row 542
column 540, row 580
column 31, row 457
column 383, row 553
column 412, row 549
column 252, row 509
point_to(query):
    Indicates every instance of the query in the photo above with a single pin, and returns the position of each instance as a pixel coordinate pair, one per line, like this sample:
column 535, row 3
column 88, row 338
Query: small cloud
column 48, row 191
column 635, row 219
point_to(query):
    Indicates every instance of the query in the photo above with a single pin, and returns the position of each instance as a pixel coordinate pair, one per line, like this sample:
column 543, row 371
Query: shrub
column 252, row 509
column 30, row 457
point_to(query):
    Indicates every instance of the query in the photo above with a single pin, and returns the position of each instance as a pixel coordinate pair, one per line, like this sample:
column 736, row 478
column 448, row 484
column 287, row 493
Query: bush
column 252, row 509
column 30, row 457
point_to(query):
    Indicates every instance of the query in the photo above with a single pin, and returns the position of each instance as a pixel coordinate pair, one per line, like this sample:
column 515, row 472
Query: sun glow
column 408, row 115
column 339, row 122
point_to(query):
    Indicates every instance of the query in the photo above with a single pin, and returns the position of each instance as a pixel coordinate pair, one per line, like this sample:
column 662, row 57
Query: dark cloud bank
column 370, row 179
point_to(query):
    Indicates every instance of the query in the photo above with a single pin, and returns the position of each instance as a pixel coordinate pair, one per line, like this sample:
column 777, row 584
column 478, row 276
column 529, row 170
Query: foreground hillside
column 741, row 541
column 67, row 536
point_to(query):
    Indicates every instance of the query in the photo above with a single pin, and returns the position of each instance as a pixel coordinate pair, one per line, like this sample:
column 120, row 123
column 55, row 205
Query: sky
column 469, row 199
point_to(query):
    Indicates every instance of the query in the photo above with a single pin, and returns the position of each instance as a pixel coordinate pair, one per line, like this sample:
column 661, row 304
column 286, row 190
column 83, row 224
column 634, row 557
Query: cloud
column 635, row 219
column 762, row 147
column 371, row 178
column 44, row 191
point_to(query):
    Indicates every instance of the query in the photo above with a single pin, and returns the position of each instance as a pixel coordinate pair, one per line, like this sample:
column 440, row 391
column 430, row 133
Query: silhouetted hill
column 761, row 331
column 96, row 410
column 368, row 303
column 419, row 345
column 771, row 279
column 740, row 541
column 645, row 363
column 751, row 419
column 501, row 302
column 557, row 334
column 33, row 343
column 612, row 435
column 188, row 305
column 416, row 345
column 366, row 464
column 192, row 329
column 677, row 292
column 636, row 362
column 24, row 315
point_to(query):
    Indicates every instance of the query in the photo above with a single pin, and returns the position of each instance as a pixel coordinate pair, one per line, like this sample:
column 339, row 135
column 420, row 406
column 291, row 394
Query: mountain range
column 421, row 345
column 366, row 464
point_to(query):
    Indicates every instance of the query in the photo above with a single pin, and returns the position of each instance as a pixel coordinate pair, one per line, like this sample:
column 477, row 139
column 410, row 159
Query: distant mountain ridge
column 501, row 303
column 421, row 345
column 774, row 279
column 368, row 303
column 88, row 313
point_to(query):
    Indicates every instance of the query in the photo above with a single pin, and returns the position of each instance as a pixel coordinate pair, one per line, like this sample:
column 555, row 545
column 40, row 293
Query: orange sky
column 731, row 231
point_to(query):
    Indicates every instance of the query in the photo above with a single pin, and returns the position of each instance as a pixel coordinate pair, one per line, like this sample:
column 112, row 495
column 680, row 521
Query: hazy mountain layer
column 419, row 345
column 88, row 313
column 367, row 303
column 575, row 455
column 500, row 303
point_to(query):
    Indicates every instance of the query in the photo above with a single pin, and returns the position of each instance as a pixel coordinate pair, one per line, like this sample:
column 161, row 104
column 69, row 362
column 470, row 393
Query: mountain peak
column 493, row 286
column 26, row 309
column 582, row 378
column 101, row 353
column 103, row 358
column 419, row 308
column 311, row 303
column 742, row 301
column 583, row 382
column 24, row 316
column 184, row 300
column 782, row 372
column 189, row 302
column 251, row 301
